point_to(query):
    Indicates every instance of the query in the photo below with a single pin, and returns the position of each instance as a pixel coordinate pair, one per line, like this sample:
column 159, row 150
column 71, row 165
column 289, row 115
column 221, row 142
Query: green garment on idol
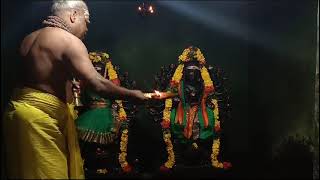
column 177, row 129
column 96, row 124
column 205, row 133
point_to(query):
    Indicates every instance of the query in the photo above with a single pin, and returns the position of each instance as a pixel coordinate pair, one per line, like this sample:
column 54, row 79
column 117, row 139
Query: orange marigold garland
column 112, row 74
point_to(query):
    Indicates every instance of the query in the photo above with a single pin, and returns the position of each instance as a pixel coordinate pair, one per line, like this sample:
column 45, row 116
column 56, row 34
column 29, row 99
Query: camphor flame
column 157, row 93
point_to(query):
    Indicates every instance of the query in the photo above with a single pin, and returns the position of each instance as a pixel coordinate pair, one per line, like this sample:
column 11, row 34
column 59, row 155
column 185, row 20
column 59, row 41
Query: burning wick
column 151, row 95
column 157, row 93
column 160, row 95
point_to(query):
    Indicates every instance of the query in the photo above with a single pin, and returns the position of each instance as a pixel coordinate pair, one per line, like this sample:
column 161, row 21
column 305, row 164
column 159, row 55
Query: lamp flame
column 157, row 93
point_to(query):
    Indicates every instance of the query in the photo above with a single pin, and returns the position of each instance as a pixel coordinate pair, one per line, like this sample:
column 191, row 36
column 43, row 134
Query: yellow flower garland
column 122, row 113
column 206, row 77
column 200, row 56
column 186, row 56
column 216, row 142
column 123, row 149
column 171, row 159
column 167, row 110
column 215, row 153
column 175, row 80
column 112, row 74
column 177, row 74
column 215, row 110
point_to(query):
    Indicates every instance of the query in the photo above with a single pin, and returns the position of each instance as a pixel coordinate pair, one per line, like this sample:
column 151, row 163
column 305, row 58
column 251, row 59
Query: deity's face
column 100, row 67
column 193, row 83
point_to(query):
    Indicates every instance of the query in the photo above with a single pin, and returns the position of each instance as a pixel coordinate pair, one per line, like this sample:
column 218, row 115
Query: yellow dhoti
column 40, row 137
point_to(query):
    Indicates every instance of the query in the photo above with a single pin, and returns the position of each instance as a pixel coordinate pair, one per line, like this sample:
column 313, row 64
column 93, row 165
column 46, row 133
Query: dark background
column 266, row 48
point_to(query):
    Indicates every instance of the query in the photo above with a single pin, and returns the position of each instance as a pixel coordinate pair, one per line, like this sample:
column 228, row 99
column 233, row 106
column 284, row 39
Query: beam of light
column 211, row 19
column 216, row 17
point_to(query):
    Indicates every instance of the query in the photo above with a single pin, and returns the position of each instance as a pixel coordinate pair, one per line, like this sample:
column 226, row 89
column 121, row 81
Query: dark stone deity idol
column 103, row 123
column 192, row 122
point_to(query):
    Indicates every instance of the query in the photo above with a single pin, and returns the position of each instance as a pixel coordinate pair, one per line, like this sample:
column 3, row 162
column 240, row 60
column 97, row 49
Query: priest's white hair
column 59, row 6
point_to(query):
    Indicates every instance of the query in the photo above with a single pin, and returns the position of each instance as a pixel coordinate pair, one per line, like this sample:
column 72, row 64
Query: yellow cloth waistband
column 46, row 102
